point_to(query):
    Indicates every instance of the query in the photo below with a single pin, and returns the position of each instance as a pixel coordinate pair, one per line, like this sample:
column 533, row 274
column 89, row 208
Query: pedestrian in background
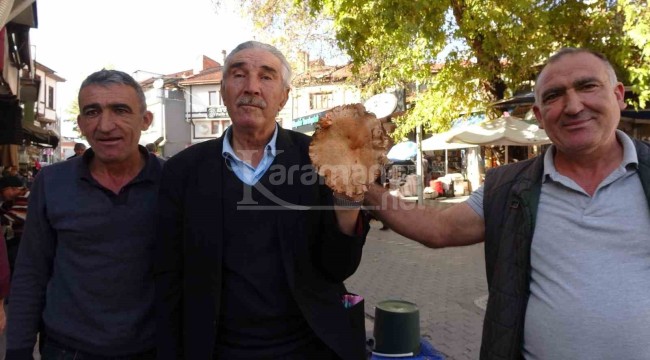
column 244, row 268
column 36, row 168
column 152, row 148
column 79, row 149
column 566, row 233
column 14, row 197
column 11, row 170
column 84, row 266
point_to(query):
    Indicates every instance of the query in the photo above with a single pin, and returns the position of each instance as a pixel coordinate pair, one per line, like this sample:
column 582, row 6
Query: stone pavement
column 448, row 285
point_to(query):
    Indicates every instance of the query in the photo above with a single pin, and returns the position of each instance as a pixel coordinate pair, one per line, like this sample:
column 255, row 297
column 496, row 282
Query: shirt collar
column 629, row 155
column 229, row 153
column 150, row 171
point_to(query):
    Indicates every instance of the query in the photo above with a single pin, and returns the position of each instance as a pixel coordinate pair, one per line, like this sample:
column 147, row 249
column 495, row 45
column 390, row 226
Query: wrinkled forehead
column 108, row 94
column 255, row 59
column 570, row 68
column 113, row 88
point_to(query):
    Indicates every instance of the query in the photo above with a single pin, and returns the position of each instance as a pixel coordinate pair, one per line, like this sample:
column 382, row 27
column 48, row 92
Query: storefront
column 636, row 123
column 21, row 141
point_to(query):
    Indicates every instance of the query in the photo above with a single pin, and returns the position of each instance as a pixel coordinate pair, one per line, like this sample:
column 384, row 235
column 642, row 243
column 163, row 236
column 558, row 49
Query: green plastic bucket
column 397, row 329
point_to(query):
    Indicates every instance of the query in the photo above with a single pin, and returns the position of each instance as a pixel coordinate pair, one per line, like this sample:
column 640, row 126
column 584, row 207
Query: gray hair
column 572, row 51
column 106, row 77
column 286, row 68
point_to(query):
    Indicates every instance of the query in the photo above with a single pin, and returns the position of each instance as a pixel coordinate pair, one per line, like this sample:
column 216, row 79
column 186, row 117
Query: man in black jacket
column 251, row 255
column 566, row 233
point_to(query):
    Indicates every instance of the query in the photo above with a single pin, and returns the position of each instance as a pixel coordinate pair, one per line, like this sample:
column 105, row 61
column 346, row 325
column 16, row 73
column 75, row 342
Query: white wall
column 197, row 101
column 156, row 129
column 341, row 94
column 46, row 82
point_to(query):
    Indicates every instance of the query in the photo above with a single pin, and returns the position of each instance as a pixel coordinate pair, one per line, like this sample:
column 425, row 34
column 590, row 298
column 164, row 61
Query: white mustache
column 251, row 100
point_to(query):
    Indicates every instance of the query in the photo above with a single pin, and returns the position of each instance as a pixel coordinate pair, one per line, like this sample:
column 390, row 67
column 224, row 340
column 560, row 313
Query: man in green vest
column 566, row 233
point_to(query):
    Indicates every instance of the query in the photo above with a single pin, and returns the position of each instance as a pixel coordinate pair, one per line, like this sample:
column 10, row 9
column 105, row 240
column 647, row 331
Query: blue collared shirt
column 245, row 172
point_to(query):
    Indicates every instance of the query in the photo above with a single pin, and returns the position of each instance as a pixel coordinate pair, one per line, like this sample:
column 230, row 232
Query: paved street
column 448, row 285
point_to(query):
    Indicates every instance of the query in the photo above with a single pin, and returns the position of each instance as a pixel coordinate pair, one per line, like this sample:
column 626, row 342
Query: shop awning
column 40, row 136
column 11, row 115
column 636, row 114
column 440, row 142
column 506, row 130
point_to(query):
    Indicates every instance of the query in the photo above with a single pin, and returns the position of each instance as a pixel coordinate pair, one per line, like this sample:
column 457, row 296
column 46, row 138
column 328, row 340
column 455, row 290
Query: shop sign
column 306, row 120
column 215, row 112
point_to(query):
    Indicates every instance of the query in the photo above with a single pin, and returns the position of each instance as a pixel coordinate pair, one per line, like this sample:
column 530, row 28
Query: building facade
column 47, row 114
column 189, row 106
column 317, row 88
column 28, row 114
column 169, row 130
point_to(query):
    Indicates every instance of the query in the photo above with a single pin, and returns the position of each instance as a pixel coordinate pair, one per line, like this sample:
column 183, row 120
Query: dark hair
column 286, row 68
column 10, row 181
column 151, row 147
column 106, row 77
column 79, row 146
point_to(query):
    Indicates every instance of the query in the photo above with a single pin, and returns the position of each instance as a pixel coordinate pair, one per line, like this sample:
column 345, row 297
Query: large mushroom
column 348, row 149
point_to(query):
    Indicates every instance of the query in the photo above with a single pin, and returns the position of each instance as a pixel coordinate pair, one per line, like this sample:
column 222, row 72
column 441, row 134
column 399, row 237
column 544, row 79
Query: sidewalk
column 448, row 285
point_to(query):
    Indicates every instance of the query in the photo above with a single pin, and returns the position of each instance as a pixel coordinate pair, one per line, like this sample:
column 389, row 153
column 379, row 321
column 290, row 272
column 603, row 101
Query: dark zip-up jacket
column 511, row 197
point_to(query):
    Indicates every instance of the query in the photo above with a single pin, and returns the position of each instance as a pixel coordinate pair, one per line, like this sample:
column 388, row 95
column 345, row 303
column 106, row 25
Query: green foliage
column 73, row 109
column 71, row 115
column 490, row 48
column 290, row 25
column 637, row 26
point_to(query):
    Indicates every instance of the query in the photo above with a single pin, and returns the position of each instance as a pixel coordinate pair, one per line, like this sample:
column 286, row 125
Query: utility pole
column 418, row 165
column 418, row 155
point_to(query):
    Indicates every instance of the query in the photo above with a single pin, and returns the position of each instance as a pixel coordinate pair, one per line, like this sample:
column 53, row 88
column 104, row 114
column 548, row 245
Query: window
column 219, row 126
column 50, row 97
column 214, row 98
column 322, row 100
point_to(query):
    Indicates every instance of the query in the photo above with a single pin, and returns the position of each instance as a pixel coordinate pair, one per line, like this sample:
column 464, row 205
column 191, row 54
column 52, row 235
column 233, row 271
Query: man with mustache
column 252, row 248
column 567, row 250
column 84, row 267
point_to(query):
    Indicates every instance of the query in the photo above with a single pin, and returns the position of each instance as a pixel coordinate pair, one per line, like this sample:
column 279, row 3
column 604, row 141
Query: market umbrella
column 506, row 130
column 439, row 142
column 403, row 151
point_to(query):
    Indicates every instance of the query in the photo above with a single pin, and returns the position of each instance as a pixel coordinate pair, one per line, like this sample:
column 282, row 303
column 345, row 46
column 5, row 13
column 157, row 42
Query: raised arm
column 337, row 252
column 458, row 225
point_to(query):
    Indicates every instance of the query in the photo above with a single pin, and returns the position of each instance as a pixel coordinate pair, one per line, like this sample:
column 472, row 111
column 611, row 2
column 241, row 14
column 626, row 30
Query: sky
column 77, row 37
